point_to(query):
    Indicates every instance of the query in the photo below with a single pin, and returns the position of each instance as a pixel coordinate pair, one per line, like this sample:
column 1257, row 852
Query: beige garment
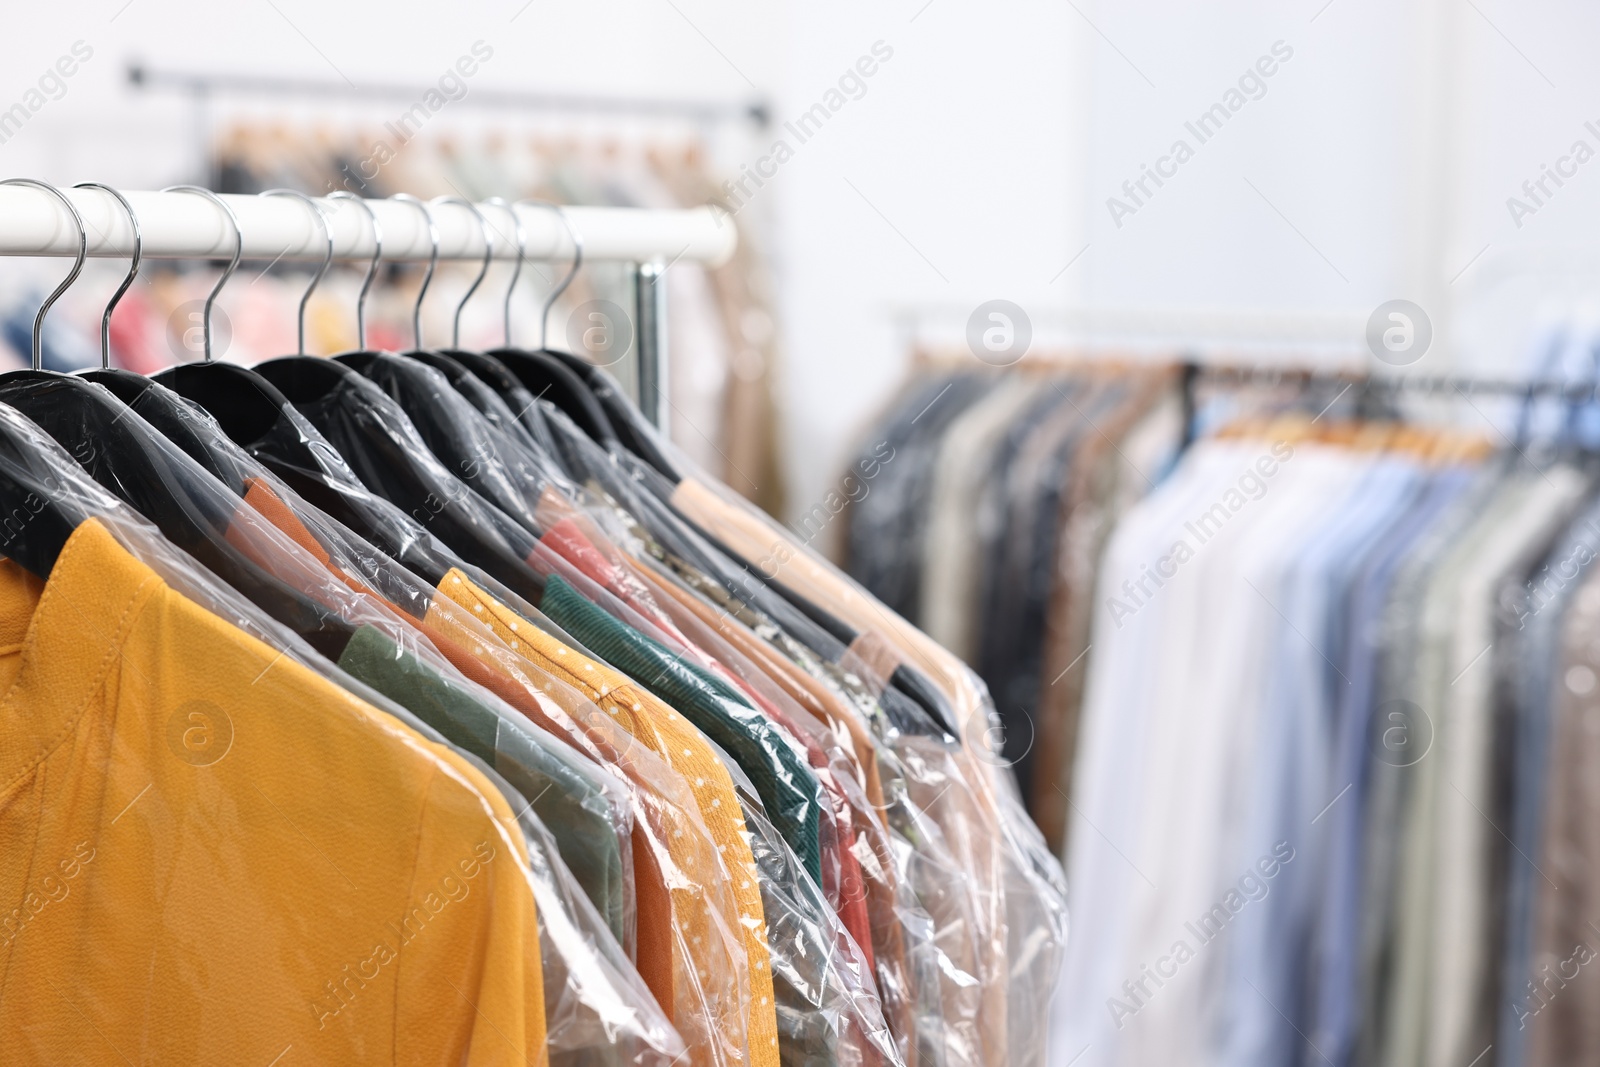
column 1465, row 947
column 999, row 848
column 950, row 563
column 1403, row 1043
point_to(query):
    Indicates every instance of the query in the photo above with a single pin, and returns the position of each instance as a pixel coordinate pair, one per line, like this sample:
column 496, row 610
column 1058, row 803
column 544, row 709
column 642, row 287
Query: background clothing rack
column 649, row 303
column 184, row 226
column 202, row 88
column 1193, row 372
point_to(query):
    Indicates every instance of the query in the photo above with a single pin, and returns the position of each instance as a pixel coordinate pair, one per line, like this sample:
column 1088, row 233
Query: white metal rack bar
column 180, row 225
column 186, row 226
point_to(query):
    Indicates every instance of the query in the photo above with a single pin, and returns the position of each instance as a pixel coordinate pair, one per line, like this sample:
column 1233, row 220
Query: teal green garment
column 570, row 802
column 790, row 792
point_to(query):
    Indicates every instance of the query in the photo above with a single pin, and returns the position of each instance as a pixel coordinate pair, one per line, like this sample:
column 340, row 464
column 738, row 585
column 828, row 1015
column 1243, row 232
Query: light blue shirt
column 1336, row 925
column 1289, row 785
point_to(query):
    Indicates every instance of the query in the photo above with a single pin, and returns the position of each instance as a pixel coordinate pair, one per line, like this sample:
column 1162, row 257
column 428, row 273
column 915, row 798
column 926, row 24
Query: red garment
column 843, row 885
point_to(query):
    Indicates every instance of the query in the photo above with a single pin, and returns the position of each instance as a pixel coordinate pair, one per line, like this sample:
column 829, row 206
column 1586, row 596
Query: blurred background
column 928, row 192
column 975, row 164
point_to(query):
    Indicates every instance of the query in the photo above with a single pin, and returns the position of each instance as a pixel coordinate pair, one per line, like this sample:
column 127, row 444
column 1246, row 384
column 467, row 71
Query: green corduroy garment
column 789, row 791
column 562, row 791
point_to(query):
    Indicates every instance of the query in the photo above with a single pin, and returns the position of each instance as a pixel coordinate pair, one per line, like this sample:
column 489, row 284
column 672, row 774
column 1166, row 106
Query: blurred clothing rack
column 176, row 225
column 1194, row 372
column 1284, row 367
column 204, row 87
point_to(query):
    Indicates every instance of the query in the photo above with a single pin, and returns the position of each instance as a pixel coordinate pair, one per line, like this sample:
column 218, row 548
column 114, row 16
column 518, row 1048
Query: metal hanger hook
column 327, row 258
column 577, row 263
column 433, row 262
column 133, row 270
column 233, row 264
column 77, row 268
column 522, row 252
column 372, row 268
column 488, row 254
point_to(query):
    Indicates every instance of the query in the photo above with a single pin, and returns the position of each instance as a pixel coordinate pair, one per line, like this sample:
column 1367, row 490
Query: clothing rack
column 1278, row 371
column 1193, row 372
column 177, row 225
column 202, row 88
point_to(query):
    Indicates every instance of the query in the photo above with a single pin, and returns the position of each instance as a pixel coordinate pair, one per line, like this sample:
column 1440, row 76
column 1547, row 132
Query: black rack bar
column 1434, row 385
column 1192, row 373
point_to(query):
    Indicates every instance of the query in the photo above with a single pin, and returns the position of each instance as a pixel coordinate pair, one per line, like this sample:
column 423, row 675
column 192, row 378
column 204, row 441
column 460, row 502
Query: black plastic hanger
column 539, row 372
column 130, row 458
column 483, row 380
column 35, row 520
column 630, row 429
column 257, row 416
column 180, row 420
column 125, row 454
column 589, row 396
column 381, row 446
column 497, row 467
column 158, row 406
column 466, row 372
column 249, row 401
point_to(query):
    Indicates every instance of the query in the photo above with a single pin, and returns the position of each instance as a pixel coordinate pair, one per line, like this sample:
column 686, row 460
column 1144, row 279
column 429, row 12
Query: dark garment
column 132, row 460
column 382, row 447
column 790, row 792
column 571, row 805
column 497, row 468
column 1527, row 677
column 1104, row 481
column 996, row 501
column 884, row 540
column 1511, row 662
column 1558, row 1004
column 1012, row 656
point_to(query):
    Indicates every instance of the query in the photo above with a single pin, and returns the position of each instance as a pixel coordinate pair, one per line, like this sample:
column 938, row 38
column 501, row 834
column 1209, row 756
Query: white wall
column 1390, row 142
column 1375, row 165
column 978, row 162
column 955, row 180
column 620, row 47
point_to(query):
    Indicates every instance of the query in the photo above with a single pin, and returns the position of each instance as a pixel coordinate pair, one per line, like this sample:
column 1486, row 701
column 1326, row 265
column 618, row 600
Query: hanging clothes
column 1302, row 709
column 733, row 812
